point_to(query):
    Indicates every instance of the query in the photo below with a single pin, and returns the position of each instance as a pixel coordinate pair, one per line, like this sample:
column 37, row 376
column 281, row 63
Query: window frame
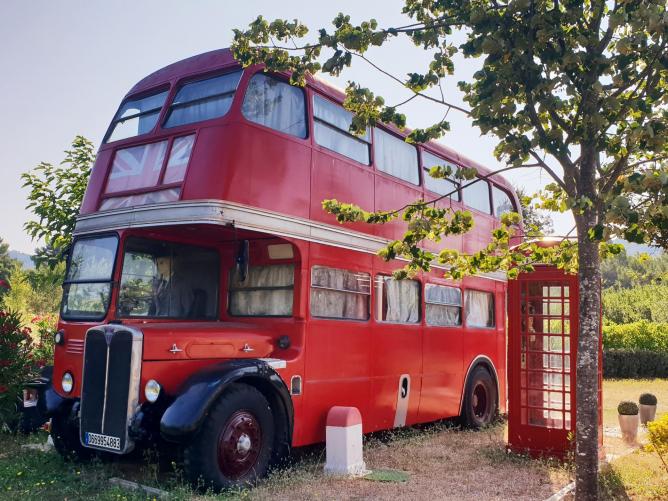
column 345, row 319
column 347, row 133
column 493, row 187
column 292, row 287
column 281, row 79
column 200, row 78
column 465, row 319
column 489, row 196
column 425, row 174
column 460, row 306
column 141, row 95
column 385, row 173
column 379, row 297
column 111, row 281
column 214, row 317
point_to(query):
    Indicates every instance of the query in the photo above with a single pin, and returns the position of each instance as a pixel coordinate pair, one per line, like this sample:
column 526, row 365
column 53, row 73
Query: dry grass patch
column 443, row 463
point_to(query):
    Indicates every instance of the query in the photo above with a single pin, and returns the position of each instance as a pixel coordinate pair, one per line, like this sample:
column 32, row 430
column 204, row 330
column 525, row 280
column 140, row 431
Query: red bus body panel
column 342, row 362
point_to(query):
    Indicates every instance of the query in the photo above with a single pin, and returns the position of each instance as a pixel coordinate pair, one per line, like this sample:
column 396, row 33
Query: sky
column 66, row 65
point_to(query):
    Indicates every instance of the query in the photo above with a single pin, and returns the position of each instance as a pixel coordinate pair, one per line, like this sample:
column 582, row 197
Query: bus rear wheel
column 480, row 400
column 234, row 446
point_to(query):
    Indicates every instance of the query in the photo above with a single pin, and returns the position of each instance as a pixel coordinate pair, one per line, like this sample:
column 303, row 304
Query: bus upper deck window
column 476, row 195
column 438, row 185
column 136, row 116
column 203, row 100
column 502, row 202
column 276, row 105
column 396, row 157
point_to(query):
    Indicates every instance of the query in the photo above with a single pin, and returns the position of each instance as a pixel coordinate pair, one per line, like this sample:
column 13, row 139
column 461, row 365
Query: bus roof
column 215, row 60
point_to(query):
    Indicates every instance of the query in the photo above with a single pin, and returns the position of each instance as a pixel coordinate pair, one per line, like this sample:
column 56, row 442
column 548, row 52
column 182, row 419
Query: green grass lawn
column 616, row 390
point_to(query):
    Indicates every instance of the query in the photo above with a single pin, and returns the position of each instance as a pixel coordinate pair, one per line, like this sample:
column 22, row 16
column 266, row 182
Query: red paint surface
column 543, row 437
column 343, row 416
column 342, row 363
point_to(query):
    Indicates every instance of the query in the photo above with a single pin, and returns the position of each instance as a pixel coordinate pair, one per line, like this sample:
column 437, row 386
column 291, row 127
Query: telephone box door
column 542, row 332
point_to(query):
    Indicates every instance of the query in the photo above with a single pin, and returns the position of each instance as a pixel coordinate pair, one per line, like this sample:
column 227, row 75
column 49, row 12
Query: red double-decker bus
column 210, row 303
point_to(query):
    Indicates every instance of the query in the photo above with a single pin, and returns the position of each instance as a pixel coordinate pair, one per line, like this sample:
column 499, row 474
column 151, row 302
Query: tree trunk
column 587, row 382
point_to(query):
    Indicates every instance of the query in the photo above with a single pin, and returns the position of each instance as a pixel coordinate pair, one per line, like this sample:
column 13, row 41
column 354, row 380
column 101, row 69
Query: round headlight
column 67, row 383
column 152, row 390
column 59, row 338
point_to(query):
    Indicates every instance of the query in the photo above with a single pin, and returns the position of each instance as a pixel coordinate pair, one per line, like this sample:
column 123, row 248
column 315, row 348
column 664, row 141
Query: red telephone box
column 542, row 344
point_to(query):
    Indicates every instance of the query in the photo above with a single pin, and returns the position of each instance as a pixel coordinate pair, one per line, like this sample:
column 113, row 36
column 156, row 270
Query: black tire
column 65, row 436
column 234, row 446
column 481, row 399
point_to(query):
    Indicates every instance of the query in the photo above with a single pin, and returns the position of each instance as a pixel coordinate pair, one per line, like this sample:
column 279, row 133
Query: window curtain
column 479, row 309
column 339, row 293
column 275, row 104
column 442, row 315
column 403, row 300
column 201, row 110
column 271, row 301
column 395, row 156
column 334, row 140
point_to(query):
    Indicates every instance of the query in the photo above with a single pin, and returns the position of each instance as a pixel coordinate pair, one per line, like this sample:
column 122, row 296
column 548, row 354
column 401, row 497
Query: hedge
column 638, row 364
column 636, row 336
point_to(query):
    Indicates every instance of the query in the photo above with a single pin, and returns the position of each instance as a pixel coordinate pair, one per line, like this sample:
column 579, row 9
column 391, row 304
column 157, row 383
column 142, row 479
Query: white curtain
column 339, row 293
column 443, row 315
column 270, row 294
column 346, row 145
column 395, row 156
column 401, row 299
column 275, row 104
column 479, row 309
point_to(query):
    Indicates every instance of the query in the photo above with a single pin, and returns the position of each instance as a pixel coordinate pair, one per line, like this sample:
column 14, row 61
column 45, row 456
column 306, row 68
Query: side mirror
column 242, row 260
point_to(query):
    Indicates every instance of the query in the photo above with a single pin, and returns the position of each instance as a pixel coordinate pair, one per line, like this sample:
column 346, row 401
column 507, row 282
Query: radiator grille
column 110, row 390
column 75, row 346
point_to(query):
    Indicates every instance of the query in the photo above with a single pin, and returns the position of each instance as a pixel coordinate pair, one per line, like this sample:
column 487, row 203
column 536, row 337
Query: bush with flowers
column 22, row 356
column 16, row 363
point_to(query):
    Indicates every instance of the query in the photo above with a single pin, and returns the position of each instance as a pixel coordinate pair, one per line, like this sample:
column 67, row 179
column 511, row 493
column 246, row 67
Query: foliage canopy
column 55, row 197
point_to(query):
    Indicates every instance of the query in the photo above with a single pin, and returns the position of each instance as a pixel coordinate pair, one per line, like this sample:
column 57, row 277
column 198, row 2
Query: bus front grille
column 110, row 387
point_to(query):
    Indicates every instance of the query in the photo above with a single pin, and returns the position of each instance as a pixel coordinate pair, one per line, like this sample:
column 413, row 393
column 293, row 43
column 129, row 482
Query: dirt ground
column 443, row 463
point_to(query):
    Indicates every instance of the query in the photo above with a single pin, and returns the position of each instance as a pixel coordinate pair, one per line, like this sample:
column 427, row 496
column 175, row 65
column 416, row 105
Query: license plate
column 103, row 441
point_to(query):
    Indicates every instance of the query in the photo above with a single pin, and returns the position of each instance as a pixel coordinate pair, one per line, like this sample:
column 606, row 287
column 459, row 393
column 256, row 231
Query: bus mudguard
column 187, row 412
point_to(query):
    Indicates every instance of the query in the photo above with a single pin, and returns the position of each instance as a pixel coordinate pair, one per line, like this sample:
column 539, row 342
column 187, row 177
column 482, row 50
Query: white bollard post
column 344, row 442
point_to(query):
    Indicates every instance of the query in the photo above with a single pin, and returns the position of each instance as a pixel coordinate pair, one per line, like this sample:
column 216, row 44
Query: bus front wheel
column 480, row 400
column 233, row 448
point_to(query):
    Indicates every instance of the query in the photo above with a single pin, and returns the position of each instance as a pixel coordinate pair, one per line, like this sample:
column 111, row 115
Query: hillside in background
column 633, row 249
column 24, row 258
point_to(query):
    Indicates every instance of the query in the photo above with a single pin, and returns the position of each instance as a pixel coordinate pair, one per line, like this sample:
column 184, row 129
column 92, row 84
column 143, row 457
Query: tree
column 536, row 222
column 55, row 197
column 6, row 266
column 625, row 272
column 577, row 88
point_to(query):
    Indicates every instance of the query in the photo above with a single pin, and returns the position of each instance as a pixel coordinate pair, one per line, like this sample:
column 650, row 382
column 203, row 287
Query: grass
column 441, row 460
column 616, row 390
column 639, row 475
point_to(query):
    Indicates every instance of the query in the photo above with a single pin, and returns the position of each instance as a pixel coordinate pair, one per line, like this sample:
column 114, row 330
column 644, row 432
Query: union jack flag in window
column 178, row 159
column 136, row 167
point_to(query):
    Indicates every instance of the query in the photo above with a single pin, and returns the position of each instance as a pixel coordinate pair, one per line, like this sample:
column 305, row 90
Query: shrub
column 44, row 344
column 640, row 364
column 627, row 408
column 645, row 302
column 15, row 364
column 636, row 336
column 657, row 432
column 647, row 399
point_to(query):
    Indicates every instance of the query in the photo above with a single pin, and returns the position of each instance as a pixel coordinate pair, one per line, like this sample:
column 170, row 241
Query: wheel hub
column 479, row 401
column 243, row 444
column 239, row 445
